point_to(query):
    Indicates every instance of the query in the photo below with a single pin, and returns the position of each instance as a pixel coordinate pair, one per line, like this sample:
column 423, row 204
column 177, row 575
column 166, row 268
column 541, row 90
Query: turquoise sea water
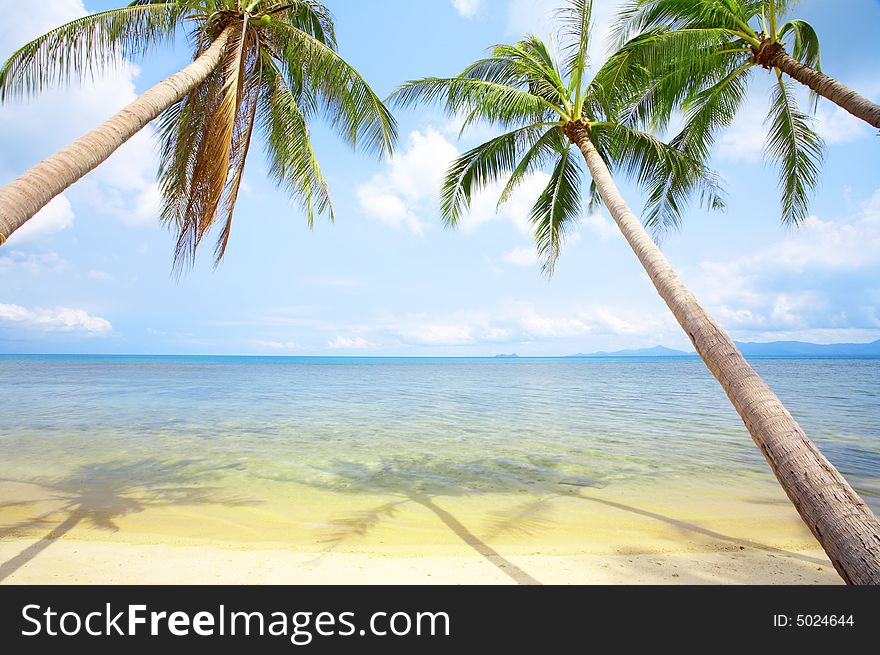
column 438, row 426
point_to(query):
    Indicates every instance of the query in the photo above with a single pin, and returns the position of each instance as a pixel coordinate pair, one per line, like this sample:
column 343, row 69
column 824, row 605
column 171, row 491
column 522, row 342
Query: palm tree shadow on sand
column 687, row 526
column 100, row 494
column 425, row 481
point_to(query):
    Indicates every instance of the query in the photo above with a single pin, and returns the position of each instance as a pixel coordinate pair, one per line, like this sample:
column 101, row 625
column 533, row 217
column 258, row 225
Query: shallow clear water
column 446, row 427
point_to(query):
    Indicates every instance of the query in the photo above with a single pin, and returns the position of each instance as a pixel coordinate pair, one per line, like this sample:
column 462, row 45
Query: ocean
column 359, row 453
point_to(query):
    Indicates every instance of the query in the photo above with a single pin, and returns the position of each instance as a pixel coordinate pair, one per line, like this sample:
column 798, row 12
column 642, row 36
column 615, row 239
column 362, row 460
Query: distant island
column 513, row 356
column 772, row 349
column 656, row 351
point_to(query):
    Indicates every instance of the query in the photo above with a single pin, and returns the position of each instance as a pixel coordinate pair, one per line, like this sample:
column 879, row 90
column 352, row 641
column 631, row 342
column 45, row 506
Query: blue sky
column 92, row 272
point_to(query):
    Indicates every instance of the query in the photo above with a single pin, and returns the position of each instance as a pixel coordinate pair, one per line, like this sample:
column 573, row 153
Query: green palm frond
column 531, row 59
column 710, row 111
column 805, row 49
column 670, row 176
column 794, row 145
column 307, row 16
column 575, row 23
column 346, row 100
column 492, row 102
column 556, row 209
column 293, row 163
column 640, row 15
column 85, row 47
column 545, row 149
column 481, row 166
column 697, row 56
column 664, row 69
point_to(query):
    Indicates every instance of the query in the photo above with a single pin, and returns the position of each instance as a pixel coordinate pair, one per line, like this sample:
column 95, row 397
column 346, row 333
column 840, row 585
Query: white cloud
column 522, row 257
column 837, row 125
column 410, row 186
column 346, row 343
column 15, row 262
column 537, row 325
column 388, row 208
column 594, row 320
column 819, row 277
column 602, row 227
column 462, row 328
column 29, row 24
column 484, row 207
column 531, row 17
column 407, row 194
column 31, row 129
column 744, row 139
column 100, row 276
column 276, row 345
column 62, row 319
column 439, row 334
column 466, row 8
column 56, row 216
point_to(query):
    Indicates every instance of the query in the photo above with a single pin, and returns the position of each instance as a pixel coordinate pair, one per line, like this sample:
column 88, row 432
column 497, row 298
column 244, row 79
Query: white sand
column 94, row 562
column 658, row 536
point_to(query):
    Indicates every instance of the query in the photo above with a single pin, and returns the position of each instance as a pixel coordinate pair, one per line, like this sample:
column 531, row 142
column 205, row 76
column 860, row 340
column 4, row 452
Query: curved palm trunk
column 827, row 87
column 24, row 197
column 837, row 516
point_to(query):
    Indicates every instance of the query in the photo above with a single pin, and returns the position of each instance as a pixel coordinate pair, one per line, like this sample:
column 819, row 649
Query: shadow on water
column 100, row 494
column 426, row 481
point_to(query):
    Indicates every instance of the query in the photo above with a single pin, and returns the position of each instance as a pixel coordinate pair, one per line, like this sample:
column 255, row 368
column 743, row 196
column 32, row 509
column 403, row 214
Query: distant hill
column 513, row 356
column 772, row 349
column 656, row 351
column 802, row 349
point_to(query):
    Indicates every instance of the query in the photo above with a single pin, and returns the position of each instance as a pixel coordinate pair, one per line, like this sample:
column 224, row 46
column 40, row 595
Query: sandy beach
column 579, row 536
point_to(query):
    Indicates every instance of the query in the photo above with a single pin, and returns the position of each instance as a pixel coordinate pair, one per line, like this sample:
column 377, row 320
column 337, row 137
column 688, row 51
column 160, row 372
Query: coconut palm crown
column 279, row 69
column 701, row 55
column 539, row 97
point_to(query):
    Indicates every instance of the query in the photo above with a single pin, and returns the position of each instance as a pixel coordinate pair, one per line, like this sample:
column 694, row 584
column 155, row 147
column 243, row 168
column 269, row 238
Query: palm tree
column 548, row 107
column 701, row 53
column 726, row 28
column 270, row 64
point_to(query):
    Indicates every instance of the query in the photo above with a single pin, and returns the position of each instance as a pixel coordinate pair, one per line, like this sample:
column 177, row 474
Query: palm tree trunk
column 834, row 512
column 827, row 87
column 24, row 197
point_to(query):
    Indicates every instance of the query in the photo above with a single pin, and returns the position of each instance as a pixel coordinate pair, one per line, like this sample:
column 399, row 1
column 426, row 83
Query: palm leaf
column 87, row 46
column 798, row 150
column 558, row 206
column 480, row 167
column 639, row 15
column 805, row 49
column 669, row 176
column 293, row 164
column 710, row 111
column 348, row 102
column 550, row 144
column 490, row 101
column 660, row 70
column 575, row 21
